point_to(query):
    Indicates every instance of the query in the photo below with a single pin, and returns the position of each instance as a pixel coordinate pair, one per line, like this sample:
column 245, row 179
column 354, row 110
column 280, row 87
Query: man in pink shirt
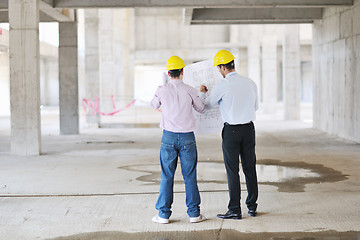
column 177, row 100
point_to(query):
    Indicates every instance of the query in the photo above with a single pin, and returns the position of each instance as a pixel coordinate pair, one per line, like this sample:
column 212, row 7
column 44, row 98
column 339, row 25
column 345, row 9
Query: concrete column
column 131, row 49
column 291, row 72
column 107, row 27
column 269, row 73
column 25, row 77
column 237, row 61
column 120, row 58
column 68, row 78
column 124, row 49
column 131, row 54
column 80, row 17
column 92, row 67
column 235, row 35
column 253, row 54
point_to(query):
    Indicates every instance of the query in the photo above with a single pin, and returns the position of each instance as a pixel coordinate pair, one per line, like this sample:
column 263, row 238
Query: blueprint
column 204, row 73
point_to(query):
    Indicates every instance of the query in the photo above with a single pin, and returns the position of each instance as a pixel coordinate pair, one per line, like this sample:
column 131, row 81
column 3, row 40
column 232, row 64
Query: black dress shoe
column 252, row 213
column 229, row 215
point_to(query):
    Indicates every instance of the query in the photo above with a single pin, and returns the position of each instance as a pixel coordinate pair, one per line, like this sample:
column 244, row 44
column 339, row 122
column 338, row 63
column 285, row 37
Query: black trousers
column 239, row 140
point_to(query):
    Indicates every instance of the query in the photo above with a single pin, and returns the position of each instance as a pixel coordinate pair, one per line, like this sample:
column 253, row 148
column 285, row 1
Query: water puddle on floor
column 287, row 176
column 214, row 234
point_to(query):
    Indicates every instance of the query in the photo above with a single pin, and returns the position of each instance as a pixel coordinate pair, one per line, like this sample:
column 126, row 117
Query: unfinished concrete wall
column 49, row 82
column 163, row 28
column 336, row 61
column 161, row 32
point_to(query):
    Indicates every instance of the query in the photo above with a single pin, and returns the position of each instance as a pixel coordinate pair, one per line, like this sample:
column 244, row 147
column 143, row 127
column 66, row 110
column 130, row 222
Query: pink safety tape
column 113, row 101
column 89, row 104
column 117, row 111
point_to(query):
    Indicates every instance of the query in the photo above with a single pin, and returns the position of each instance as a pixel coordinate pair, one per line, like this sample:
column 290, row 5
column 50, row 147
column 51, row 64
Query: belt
column 228, row 124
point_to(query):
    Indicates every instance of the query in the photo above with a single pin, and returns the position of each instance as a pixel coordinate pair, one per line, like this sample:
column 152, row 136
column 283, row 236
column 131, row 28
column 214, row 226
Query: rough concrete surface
column 103, row 184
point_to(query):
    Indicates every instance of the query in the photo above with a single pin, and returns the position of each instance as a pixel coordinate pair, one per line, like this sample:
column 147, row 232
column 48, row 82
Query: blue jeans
column 174, row 145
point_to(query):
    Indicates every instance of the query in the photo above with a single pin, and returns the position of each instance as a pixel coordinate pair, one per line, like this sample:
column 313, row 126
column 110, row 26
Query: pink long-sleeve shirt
column 177, row 100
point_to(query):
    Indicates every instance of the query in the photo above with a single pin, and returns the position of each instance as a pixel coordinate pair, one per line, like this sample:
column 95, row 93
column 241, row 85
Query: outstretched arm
column 214, row 98
column 156, row 101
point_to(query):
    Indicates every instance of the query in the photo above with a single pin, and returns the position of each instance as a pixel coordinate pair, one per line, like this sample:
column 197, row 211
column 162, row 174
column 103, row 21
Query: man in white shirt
column 238, row 101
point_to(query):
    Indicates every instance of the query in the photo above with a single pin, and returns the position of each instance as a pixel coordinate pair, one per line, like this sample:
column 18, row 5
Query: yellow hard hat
column 223, row 57
column 175, row 63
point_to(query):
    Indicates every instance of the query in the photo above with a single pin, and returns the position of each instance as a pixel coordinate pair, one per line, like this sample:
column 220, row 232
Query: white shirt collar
column 229, row 74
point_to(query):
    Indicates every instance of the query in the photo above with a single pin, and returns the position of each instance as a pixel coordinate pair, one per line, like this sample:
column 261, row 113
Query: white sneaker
column 197, row 219
column 158, row 219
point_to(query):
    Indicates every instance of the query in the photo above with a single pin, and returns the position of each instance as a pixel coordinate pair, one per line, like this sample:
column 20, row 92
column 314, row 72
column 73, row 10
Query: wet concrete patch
column 214, row 235
column 297, row 183
column 287, row 176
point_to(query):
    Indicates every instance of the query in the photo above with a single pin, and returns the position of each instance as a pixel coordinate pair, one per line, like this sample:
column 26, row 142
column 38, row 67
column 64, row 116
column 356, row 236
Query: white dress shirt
column 237, row 97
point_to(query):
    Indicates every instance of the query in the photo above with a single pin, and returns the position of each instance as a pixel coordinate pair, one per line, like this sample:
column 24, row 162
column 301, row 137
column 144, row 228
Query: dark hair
column 175, row 73
column 229, row 66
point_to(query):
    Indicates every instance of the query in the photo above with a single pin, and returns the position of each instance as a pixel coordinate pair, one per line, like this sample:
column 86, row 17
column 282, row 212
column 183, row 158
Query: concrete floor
column 103, row 184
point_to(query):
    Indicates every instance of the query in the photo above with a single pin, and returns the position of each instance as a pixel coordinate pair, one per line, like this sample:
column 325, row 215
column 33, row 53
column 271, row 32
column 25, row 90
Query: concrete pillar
column 269, row 73
column 4, row 83
column 239, row 65
column 130, row 81
column 253, row 54
column 80, row 17
column 235, row 36
column 68, row 78
column 116, row 65
column 120, row 58
column 25, row 77
column 92, row 67
column 107, row 26
column 291, row 72
column 124, row 49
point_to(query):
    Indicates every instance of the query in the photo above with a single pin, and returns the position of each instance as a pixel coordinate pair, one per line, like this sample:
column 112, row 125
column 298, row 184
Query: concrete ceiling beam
column 4, row 4
column 198, row 3
column 4, row 17
column 187, row 15
column 233, row 22
column 47, row 12
column 59, row 15
column 254, row 15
